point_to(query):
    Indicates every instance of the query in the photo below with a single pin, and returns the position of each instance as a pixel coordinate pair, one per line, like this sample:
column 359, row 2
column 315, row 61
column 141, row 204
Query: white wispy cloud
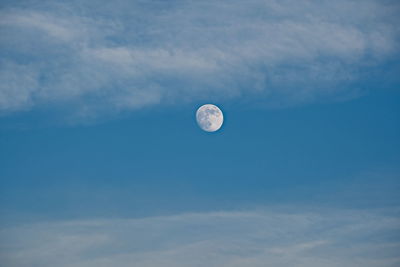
column 255, row 238
column 133, row 54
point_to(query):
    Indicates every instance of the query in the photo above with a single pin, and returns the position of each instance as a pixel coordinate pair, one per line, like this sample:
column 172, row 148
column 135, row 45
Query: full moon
column 209, row 117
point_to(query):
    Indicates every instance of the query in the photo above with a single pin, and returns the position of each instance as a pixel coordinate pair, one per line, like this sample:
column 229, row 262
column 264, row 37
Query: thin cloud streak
column 270, row 237
column 105, row 60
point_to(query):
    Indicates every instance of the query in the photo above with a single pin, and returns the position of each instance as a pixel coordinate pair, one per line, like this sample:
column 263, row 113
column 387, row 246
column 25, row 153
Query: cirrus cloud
column 135, row 54
column 270, row 237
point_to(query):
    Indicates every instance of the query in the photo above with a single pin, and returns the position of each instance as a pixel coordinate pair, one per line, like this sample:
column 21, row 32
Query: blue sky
column 102, row 162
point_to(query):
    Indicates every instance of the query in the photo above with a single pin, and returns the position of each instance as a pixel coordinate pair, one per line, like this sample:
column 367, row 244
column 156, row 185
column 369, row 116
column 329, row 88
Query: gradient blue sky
column 102, row 162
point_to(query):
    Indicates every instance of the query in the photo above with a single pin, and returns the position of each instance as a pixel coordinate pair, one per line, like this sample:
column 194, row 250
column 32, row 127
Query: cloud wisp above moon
column 95, row 59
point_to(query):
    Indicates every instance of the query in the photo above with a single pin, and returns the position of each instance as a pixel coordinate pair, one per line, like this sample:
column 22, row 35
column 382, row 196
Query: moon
column 209, row 117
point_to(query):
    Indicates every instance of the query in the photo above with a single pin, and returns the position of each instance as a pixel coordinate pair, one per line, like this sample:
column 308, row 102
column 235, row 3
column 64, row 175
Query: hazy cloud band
column 270, row 237
column 102, row 57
